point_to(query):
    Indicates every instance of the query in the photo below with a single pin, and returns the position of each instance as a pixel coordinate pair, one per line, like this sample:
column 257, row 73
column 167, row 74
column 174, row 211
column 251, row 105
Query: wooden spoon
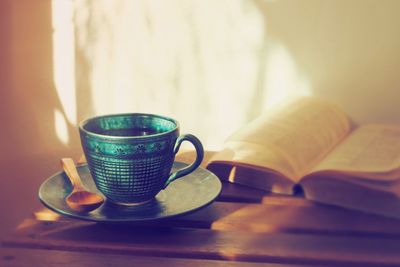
column 80, row 199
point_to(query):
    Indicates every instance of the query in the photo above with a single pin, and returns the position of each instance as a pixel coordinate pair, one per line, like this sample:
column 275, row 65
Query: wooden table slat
column 280, row 215
column 12, row 257
column 208, row 244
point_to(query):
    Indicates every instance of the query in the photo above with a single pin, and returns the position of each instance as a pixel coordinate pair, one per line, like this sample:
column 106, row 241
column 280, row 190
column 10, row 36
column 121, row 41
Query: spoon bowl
column 80, row 199
column 84, row 201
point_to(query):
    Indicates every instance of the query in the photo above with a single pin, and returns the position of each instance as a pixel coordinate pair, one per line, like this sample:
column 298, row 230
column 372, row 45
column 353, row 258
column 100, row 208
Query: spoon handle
column 69, row 168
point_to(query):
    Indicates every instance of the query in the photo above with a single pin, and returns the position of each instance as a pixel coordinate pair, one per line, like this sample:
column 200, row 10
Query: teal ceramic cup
column 130, row 156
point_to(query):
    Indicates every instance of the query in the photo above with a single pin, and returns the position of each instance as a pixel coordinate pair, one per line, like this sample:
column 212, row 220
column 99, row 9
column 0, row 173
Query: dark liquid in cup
column 129, row 132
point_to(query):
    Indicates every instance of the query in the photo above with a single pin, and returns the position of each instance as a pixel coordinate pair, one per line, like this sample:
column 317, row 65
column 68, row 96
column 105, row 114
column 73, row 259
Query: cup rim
column 87, row 120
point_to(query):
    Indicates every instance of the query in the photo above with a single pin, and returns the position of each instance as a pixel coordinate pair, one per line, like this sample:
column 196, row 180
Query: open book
column 311, row 146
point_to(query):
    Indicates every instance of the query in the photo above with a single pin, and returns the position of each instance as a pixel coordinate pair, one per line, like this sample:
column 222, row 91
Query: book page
column 382, row 200
column 290, row 138
column 371, row 151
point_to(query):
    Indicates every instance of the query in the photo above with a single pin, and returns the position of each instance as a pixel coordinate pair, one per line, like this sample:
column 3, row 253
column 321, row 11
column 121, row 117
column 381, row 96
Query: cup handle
column 199, row 157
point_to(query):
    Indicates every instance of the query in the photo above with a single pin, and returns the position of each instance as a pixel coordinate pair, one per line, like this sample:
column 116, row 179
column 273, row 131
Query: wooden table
column 244, row 227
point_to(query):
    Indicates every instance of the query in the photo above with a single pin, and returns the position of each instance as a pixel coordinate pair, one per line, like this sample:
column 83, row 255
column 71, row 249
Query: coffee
column 129, row 132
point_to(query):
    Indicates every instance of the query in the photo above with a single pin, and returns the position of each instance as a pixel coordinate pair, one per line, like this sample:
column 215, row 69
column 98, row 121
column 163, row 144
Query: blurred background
column 213, row 65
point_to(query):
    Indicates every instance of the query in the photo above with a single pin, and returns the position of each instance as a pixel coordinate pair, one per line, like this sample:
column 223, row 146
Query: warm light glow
column 232, row 175
column 235, row 220
column 282, row 77
column 196, row 62
column 64, row 57
column 212, row 65
column 61, row 127
column 46, row 215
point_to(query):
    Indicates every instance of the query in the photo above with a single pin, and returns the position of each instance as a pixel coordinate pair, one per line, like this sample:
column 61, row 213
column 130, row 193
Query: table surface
column 244, row 227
